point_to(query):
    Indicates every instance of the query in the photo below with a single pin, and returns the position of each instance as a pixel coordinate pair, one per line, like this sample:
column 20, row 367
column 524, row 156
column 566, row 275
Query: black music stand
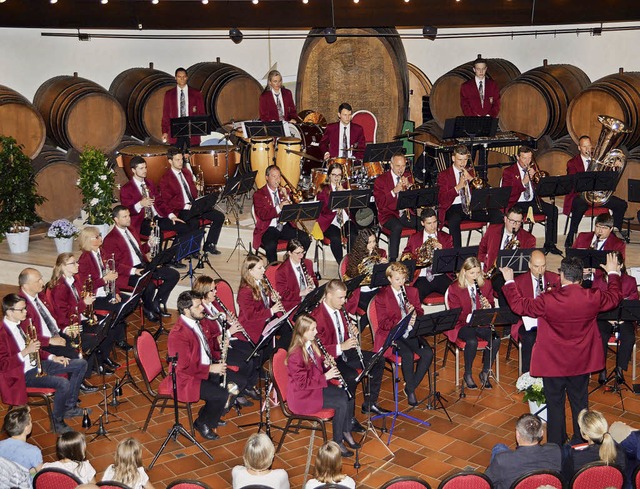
column 257, row 128
column 517, row 260
column 236, row 187
column 382, row 151
column 379, row 274
column 590, row 258
column 199, row 207
column 470, row 127
column 633, row 195
column 163, row 258
column 348, row 200
column 414, row 199
column 306, row 211
column 182, row 128
column 433, row 325
column 553, row 187
column 187, row 246
column 486, row 199
column 593, row 181
column 451, row 260
column 310, row 301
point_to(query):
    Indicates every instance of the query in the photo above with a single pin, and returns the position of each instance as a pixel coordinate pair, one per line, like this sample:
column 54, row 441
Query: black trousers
column 217, row 219
column 455, row 216
column 440, row 284
column 556, row 390
column 168, row 277
column 527, row 339
column 551, row 213
column 395, row 226
column 271, row 237
column 413, row 372
column 238, row 355
column 336, row 398
column 627, row 339
column 580, row 206
column 214, row 397
column 470, row 336
column 334, row 235
column 351, row 367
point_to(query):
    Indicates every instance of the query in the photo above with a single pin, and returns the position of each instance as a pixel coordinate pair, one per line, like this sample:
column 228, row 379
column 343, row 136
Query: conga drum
column 289, row 163
column 213, row 162
column 155, row 156
column 262, row 155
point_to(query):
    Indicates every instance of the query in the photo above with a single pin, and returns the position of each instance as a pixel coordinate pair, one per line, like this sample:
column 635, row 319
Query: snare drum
column 155, row 156
column 289, row 163
column 318, row 178
column 212, row 160
column 262, row 155
column 373, row 168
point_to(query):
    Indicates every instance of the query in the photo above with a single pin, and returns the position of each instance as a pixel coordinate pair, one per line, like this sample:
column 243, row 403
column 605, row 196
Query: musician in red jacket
column 294, row 276
column 177, row 195
column 428, row 282
column 343, row 139
column 197, row 375
column 267, row 206
column 181, row 101
column 472, row 292
column 454, row 201
column 523, row 193
column 276, row 102
column 531, row 285
column 309, row 389
column 480, row 96
column 393, row 303
column 335, row 224
column 385, row 192
column 602, row 238
column 575, row 204
column 569, row 346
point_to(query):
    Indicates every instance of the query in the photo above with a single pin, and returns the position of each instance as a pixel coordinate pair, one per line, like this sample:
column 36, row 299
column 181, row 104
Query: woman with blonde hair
column 258, row 457
column 127, row 467
column 329, row 468
column 600, row 446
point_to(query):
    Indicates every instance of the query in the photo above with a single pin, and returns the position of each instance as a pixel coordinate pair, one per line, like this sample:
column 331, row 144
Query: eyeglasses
column 513, row 222
column 335, row 175
column 18, row 310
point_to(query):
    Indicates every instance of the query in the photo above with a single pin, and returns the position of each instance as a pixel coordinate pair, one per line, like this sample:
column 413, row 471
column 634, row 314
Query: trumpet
column 154, row 239
column 76, row 341
column 148, row 211
column 331, row 362
column 231, row 318
column 87, row 290
column 110, row 286
column 296, row 195
column 200, row 181
column 34, row 358
column 354, row 332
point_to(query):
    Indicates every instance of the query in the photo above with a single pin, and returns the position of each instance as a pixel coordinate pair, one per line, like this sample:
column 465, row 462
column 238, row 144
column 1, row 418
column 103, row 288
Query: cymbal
column 304, row 155
column 406, row 134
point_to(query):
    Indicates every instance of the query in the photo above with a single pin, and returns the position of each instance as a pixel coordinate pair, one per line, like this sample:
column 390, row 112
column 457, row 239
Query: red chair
column 147, row 357
column 53, row 478
column 187, row 484
column 406, row 482
column 42, row 396
column 382, row 231
column 635, row 479
column 538, row 478
column 314, row 421
column 112, row 485
column 592, row 213
column 369, row 123
column 343, row 266
column 466, row 480
column 434, row 299
column 598, row 475
column 224, row 292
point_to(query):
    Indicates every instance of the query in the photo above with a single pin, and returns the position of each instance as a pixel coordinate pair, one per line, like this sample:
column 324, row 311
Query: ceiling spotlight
column 255, row 2
column 330, row 35
column 356, row 1
column 407, row 1
column 104, row 2
column 235, row 35
column 53, row 1
column 205, row 2
column 155, row 2
column 305, row 1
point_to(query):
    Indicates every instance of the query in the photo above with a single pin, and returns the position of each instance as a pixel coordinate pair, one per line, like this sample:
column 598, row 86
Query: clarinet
column 224, row 351
column 332, row 363
column 233, row 319
column 307, row 277
column 484, row 302
column 355, row 332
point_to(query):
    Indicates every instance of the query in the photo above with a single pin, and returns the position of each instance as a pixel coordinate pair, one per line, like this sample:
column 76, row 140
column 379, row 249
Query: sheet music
column 529, row 323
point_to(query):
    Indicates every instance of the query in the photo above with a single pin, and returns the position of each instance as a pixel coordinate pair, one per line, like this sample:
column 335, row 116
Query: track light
column 205, row 2
column 330, row 35
column 429, row 32
column 305, row 1
column 155, row 2
column 104, row 2
column 356, row 1
column 53, row 1
column 235, row 35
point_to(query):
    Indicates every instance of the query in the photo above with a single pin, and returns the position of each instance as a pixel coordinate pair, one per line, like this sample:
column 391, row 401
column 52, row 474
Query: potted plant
column 18, row 195
column 533, row 394
column 63, row 231
column 96, row 182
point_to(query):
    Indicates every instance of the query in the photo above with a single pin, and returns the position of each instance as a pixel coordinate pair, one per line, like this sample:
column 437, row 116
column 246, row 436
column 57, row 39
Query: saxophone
column 34, row 358
column 354, row 332
column 331, row 362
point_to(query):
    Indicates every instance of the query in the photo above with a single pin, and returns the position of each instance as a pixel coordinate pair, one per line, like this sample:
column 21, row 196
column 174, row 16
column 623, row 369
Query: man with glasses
column 602, row 238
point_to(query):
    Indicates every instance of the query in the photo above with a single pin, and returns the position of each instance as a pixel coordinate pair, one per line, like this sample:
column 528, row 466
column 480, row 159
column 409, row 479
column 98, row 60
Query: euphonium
column 296, row 195
column 87, row 290
column 110, row 286
column 34, row 358
column 331, row 362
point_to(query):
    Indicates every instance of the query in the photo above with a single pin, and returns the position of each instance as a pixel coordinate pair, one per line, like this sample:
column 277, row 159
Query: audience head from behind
column 529, row 430
column 72, row 446
column 127, row 467
column 329, row 463
column 17, row 422
column 258, row 456
column 595, row 429
column 258, row 452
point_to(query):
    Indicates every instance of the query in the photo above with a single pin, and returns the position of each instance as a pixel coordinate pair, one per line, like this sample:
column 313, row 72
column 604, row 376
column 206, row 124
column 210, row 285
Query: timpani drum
column 289, row 163
column 318, row 178
column 155, row 156
column 213, row 162
column 262, row 155
column 373, row 168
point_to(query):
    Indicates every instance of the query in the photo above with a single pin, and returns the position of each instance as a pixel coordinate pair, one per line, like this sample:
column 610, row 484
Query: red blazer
column 629, row 285
column 32, row 314
column 389, row 313
column 189, row 372
column 326, row 331
column 612, row 243
column 568, row 341
column 252, row 314
column 288, row 285
column 170, row 110
column 525, row 286
column 269, row 110
column 447, row 192
column 130, row 195
column 459, row 297
column 65, row 303
column 492, row 239
column 332, row 140
column 171, row 198
column 87, row 265
column 574, row 165
column 306, row 381
column 416, row 240
column 385, row 202
column 13, row 389
column 264, row 211
column 470, row 98
column 115, row 243
column 512, row 177
column 326, row 214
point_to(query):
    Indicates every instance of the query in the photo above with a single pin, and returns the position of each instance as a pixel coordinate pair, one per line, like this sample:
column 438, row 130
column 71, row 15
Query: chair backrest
column 280, row 374
column 596, row 475
column 187, row 484
column 331, row 485
column 112, row 485
column 343, row 265
column 372, row 314
column 271, row 270
column 224, row 292
column 466, row 480
column 537, row 478
column 406, row 483
column 255, row 486
column 369, row 123
column 53, row 478
column 147, row 357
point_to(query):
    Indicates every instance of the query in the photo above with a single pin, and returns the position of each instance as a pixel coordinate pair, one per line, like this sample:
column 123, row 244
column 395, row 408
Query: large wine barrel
column 445, row 94
column 419, row 87
column 80, row 113
column 140, row 92
column 616, row 95
column 367, row 72
column 631, row 172
column 554, row 158
column 56, row 178
column 536, row 102
column 20, row 120
column 228, row 91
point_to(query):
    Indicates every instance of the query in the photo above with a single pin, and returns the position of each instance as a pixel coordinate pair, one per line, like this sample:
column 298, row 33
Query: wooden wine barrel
column 356, row 70
column 140, row 92
column 80, row 113
column 56, row 178
column 554, row 158
column 21, row 120
column 445, row 94
column 228, row 91
column 419, row 87
column 536, row 102
column 616, row 95
column 631, row 172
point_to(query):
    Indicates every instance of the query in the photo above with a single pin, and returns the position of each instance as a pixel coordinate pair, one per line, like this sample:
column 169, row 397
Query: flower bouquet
column 532, row 388
column 62, row 228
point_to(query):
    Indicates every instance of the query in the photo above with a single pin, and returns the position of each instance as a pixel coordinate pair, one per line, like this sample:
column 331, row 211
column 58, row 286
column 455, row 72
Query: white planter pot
column 542, row 408
column 18, row 242
column 63, row 245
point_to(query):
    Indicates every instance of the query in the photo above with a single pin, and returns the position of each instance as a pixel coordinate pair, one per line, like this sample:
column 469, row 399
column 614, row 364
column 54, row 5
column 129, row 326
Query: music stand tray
column 238, row 185
column 349, row 199
column 201, row 205
column 414, row 199
column 554, row 186
column 307, row 211
column 451, row 260
column 257, row 128
column 591, row 181
column 590, row 258
column 470, row 126
column 485, row 199
column 382, row 151
column 197, row 125
column 517, row 260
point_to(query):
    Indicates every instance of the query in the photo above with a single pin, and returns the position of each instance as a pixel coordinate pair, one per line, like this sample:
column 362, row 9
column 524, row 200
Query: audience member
column 14, row 475
column 329, row 468
column 258, row 458
column 17, row 424
column 127, row 467
column 71, row 450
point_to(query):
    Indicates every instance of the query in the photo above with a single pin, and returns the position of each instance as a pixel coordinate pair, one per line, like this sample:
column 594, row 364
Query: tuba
column 605, row 158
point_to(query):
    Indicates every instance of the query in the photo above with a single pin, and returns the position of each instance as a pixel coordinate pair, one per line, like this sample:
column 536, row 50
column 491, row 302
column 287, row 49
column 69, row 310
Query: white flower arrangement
column 62, row 228
column 532, row 387
column 97, row 181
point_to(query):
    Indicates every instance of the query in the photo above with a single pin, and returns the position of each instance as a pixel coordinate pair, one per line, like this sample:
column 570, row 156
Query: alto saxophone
column 231, row 318
column 331, row 362
column 354, row 332
column 34, row 358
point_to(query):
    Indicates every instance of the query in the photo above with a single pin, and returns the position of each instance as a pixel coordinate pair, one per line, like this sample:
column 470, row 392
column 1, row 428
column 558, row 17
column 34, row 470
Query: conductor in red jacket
column 575, row 204
column 569, row 346
column 181, row 101
column 343, row 139
column 480, row 96
column 276, row 102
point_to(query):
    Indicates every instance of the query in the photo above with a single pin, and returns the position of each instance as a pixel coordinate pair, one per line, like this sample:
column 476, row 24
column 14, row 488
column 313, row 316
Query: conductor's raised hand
column 507, row 273
column 612, row 264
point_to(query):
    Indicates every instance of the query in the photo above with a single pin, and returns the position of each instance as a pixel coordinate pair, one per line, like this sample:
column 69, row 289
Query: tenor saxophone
column 331, row 362
column 354, row 332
